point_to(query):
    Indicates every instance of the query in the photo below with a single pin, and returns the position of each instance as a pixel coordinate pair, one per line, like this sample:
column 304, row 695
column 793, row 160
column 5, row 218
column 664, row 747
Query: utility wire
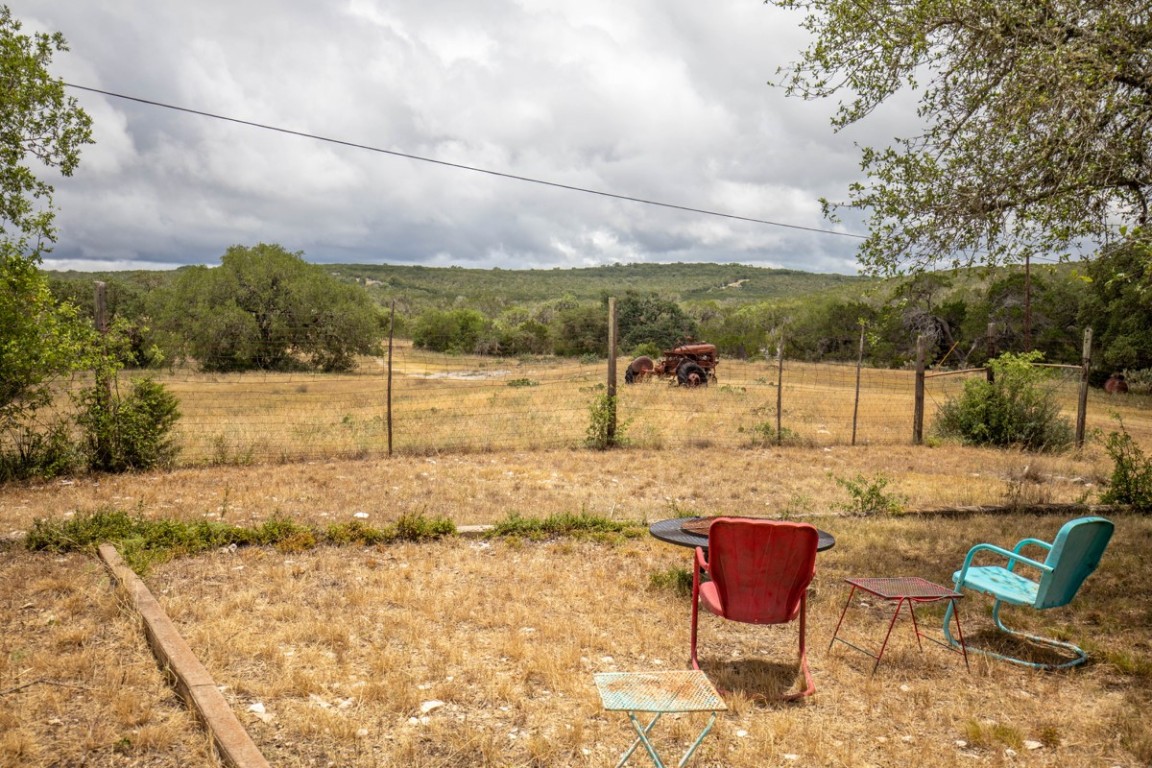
column 462, row 167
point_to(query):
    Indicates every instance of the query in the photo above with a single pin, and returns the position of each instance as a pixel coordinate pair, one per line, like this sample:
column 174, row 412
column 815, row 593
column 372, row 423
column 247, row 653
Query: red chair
column 760, row 571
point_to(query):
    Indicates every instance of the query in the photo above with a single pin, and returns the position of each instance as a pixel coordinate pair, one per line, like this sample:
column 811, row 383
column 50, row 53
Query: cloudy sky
column 661, row 100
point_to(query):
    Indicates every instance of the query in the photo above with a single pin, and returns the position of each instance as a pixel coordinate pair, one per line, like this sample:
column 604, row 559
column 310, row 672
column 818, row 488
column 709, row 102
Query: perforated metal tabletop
column 672, row 691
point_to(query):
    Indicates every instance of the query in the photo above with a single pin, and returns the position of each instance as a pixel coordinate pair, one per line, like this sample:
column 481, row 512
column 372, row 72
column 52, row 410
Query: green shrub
column 1012, row 409
column 131, row 432
column 39, row 453
column 1131, row 481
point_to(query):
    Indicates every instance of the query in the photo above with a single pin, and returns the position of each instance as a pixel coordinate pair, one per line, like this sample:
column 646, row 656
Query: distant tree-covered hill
column 966, row 316
column 722, row 283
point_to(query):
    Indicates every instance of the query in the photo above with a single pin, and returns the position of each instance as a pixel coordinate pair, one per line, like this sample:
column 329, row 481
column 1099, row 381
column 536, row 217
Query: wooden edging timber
column 184, row 670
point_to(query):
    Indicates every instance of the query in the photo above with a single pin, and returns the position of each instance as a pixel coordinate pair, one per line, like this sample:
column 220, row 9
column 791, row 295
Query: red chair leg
column 809, row 684
column 695, row 613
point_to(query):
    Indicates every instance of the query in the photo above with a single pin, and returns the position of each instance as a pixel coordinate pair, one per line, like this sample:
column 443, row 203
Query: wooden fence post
column 856, row 403
column 611, row 431
column 779, row 388
column 102, row 378
column 991, row 340
column 391, row 334
column 918, row 411
column 1082, row 406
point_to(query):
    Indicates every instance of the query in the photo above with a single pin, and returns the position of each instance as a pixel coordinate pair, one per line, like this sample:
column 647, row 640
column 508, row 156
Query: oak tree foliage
column 1035, row 123
column 266, row 308
column 39, row 128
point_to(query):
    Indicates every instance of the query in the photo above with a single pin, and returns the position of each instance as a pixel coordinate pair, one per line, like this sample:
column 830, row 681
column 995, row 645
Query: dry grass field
column 454, row 404
column 480, row 652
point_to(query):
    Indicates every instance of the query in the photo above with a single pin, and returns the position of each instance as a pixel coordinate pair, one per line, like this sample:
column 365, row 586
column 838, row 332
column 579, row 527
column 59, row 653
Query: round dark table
column 672, row 532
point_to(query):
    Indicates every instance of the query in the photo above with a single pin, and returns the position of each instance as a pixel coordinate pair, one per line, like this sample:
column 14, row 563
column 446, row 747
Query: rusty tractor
column 693, row 365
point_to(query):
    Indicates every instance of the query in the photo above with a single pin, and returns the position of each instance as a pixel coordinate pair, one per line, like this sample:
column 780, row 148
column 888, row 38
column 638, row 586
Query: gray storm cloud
column 663, row 100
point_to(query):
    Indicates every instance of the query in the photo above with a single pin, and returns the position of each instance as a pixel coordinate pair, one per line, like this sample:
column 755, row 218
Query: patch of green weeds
column 764, row 435
column 418, row 527
column 354, row 532
column 604, row 429
column 869, row 497
column 144, row 543
column 581, row 525
column 141, row 542
column 676, row 580
column 987, row 735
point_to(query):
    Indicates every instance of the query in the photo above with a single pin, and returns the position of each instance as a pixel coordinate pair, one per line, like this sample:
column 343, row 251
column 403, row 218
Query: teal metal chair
column 1071, row 557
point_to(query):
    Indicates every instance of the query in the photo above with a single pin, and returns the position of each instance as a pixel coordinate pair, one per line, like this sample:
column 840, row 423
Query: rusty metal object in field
column 693, row 365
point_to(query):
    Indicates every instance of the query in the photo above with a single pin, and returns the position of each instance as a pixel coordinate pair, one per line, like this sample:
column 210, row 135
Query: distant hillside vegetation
column 722, row 283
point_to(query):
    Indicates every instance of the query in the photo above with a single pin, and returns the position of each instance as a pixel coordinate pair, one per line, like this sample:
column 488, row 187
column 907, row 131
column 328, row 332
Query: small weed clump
column 354, row 532
column 604, row 431
column 676, row 580
column 764, row 435
column 869, row 497
column 991, row 735
column 418, row 527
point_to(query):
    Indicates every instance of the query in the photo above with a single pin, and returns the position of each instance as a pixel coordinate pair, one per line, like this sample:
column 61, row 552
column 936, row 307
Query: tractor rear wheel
column 689, row 374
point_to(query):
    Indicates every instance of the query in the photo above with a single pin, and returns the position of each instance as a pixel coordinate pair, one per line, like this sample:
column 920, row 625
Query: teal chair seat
column 1008, row 586
column 1049, row 583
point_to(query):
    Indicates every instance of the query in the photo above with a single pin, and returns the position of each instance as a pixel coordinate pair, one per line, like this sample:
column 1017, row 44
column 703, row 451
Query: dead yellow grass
column 631, row 484
column 78, row 686
column 470, row 652
column 345, row 647
column 453, row 404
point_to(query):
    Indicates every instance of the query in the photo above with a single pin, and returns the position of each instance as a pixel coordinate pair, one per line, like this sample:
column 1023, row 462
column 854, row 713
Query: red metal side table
column 904, row 590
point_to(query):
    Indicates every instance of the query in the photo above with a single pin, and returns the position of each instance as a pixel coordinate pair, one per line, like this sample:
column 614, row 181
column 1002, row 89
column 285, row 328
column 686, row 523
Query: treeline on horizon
column 266, row 308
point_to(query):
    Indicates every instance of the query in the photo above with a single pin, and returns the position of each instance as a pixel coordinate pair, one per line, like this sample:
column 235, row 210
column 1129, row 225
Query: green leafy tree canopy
column 38, row 339
column 1034, row 122
column 37, row 122
column 266, row 308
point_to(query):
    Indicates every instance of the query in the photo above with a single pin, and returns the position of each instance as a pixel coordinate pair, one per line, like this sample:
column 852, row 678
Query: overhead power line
column 461, row 166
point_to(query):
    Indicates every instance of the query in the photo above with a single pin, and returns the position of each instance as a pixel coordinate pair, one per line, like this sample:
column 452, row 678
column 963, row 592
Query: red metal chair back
column 761, row 568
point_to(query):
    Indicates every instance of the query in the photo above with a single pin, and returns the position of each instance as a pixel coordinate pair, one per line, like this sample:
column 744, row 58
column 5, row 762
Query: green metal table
column 659, row 693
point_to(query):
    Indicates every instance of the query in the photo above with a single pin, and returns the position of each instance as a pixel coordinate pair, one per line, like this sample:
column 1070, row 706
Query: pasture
column 480, row 651
column 452, row 404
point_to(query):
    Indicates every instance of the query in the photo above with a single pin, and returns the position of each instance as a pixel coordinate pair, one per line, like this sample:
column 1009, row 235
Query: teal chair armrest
column 1032, row 542
column 1013, row 556
column 1047, row 547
